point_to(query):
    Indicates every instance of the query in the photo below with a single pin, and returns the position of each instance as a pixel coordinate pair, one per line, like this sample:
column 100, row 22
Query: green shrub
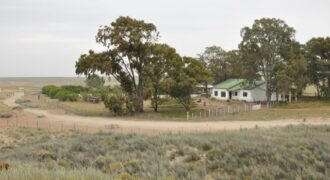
column 64, row 95
column 46, row 89
column 115, row 103
column 54, row 91
column 75, row 89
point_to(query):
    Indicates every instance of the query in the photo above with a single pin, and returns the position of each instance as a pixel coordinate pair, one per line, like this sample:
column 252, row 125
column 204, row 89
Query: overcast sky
column 46, row 37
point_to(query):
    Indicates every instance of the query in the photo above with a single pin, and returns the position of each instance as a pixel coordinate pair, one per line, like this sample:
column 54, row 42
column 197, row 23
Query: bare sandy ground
column 154, row 127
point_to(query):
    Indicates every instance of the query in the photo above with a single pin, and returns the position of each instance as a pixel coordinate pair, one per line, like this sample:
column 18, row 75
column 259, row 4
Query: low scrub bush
column 293, row 152
column 18, row 108
column 54, row 91
column 46, row 89
column 64, row 95
column 29, row 105
column 27, row 171
column 5, row 115
column 75, row 89
column 115, row 103
column 4, row 166
column 22, row 101
column 25, row 103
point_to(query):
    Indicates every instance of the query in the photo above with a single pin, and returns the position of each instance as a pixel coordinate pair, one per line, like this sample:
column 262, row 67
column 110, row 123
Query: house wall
column 240, row 95
column 259, row 94
column 253, row 95
column 219, row 94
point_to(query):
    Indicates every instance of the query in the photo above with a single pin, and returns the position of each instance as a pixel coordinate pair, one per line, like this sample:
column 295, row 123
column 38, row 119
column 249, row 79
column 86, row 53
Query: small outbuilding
column 242, row 90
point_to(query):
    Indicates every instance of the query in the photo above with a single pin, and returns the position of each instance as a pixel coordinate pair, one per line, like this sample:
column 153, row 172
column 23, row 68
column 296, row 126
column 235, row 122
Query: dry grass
column 85, row 109
column 293, row 152
column 306, row 108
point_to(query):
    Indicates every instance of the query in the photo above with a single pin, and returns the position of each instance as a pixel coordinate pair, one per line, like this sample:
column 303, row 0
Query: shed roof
column 229, row 83
column 238, row 84
column 247, row 85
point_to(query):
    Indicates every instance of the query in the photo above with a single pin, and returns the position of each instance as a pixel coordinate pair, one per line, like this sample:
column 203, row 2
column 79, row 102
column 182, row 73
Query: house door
column 230, row 94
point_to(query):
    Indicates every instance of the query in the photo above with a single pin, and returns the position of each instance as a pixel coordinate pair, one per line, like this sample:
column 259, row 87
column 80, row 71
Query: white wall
column 240, row 96
column 254, row 95
column 219, row 94
column 259, row 94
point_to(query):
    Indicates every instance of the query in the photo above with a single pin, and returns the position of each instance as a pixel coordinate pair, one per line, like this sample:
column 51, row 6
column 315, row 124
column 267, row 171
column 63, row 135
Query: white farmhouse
column 242, row 90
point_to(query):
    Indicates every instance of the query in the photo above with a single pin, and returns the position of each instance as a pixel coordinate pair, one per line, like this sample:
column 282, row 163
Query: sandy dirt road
column 155, row 126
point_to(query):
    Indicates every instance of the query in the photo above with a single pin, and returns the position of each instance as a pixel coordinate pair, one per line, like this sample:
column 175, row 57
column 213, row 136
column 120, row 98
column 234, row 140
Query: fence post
column 209, row 112
column 187, row 115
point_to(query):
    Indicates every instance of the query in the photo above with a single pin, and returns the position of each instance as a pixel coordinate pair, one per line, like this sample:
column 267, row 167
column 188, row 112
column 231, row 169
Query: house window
column 245, row 94
column 215, row 93
column 235, row 93
column 223, row 94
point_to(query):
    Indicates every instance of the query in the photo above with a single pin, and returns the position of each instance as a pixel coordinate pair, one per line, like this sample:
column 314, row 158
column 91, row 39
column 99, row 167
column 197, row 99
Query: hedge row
column 71, row 93
column 63, row 93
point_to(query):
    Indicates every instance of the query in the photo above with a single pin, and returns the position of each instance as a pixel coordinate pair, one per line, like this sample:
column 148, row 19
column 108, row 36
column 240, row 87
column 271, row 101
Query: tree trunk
column 155, row 99
column 328, row 88
column 140, row 95
column 268, row 91
column 206, row 90
column 318, row 91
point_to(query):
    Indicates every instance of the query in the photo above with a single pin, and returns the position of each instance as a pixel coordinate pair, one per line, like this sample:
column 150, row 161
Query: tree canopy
column 94, row 81
column 182, row 81
column 318, row 56
column 128, row 42
column 267, row 46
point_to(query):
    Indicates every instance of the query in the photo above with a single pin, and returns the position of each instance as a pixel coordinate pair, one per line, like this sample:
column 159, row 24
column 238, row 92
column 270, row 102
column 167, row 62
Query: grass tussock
column 27, row 172
column 300, row 152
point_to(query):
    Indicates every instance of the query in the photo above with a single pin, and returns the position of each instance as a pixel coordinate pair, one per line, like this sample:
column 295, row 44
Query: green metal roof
column 247, row 85
column 229, row 83
column 238, row 84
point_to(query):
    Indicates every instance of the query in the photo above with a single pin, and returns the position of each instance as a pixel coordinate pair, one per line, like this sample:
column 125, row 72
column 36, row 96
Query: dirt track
column 155, row 126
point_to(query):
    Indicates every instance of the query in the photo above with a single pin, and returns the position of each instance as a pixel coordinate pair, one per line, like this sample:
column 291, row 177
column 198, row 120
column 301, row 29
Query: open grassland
column 29, row 82
column 300, row 152
column 171, row 110
column 85, row 109
column 303, row 109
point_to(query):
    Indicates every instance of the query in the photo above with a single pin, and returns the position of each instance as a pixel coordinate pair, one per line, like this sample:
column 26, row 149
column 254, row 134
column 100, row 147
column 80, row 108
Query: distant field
column 38, row 82
column 293, row 152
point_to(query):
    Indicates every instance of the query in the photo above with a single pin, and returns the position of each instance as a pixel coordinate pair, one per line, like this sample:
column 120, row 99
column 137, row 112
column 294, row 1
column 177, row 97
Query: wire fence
column 222, row 111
